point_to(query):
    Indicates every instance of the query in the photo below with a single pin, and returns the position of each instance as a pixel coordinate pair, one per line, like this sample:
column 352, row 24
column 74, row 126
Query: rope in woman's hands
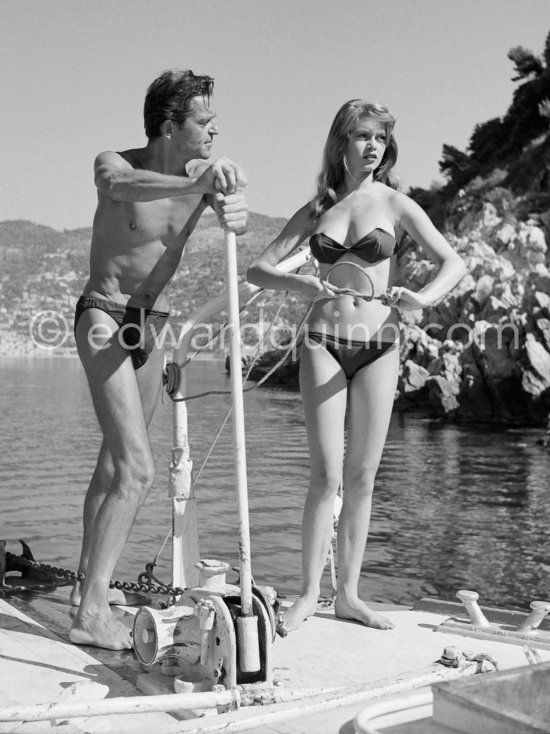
column 395, row 296
column 349, row 291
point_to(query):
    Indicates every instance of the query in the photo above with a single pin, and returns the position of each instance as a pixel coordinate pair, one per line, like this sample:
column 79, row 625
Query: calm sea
column 454, row 506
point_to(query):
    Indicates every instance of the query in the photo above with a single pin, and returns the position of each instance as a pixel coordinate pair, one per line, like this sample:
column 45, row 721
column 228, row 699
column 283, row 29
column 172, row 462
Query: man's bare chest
column 168, row 220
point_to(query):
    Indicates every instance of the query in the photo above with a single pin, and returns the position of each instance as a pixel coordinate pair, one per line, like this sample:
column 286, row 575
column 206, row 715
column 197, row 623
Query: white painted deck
column 366, row 663
column 37, row 666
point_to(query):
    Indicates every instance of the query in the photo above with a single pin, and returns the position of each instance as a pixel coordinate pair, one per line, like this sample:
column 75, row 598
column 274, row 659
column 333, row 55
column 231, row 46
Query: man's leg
column 100, row 485
column 149, row 378
column 118, row 404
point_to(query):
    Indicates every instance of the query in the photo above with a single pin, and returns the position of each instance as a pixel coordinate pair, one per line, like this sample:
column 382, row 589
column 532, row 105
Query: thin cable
column 266, row 376
column 177, row 380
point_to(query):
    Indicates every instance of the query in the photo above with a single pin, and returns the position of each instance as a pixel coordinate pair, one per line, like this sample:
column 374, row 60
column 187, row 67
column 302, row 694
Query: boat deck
column 37, row 664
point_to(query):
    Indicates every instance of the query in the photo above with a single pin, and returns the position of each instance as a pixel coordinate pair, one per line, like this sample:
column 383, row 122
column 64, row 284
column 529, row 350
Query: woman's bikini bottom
column 351, row 355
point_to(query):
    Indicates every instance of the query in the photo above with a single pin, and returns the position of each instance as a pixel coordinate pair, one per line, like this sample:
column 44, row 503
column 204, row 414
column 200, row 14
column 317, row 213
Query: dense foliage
column 515, row 147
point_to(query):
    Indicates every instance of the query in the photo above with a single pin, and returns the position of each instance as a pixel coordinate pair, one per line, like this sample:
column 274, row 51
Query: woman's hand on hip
column 403, row 299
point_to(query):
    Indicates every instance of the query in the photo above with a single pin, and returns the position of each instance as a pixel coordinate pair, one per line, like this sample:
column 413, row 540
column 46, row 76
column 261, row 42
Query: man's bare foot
column 303, row 607
column 100, row 630
column 115, row 596
column 356, row 609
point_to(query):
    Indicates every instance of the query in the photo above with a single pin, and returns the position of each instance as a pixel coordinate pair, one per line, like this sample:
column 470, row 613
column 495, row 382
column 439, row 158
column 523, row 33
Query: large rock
column 536, row 375
column 442, row 396
column 543, row 327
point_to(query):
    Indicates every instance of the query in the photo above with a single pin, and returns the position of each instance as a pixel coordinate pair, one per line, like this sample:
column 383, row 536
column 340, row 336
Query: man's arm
column 118, row 180
column 231, row 209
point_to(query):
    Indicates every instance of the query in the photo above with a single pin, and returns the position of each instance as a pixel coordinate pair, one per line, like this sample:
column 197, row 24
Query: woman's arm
column 414, row 220
column 264, row 272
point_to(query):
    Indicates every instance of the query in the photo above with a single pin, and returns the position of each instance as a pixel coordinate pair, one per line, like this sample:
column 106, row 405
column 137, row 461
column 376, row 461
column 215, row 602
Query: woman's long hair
column 333, row 169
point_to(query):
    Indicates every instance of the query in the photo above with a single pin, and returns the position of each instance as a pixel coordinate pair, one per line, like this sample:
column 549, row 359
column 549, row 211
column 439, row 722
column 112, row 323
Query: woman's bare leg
column 371, row 396
column 323, row 387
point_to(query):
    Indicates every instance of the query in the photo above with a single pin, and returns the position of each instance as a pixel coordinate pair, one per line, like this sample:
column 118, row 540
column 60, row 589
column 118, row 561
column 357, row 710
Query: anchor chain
column 139, row 586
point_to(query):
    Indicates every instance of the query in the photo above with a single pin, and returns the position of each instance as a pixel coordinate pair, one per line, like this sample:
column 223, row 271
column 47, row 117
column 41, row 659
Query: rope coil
column 351, row 291
column 172, row 378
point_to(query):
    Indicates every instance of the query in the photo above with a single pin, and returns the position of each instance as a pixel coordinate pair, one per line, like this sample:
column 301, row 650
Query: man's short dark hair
column 169, row 95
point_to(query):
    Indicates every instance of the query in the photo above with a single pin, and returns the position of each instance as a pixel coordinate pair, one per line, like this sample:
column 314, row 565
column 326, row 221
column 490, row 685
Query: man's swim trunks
column 140, row 328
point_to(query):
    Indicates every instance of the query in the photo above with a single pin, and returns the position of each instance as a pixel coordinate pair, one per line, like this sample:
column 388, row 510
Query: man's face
column 196, row 135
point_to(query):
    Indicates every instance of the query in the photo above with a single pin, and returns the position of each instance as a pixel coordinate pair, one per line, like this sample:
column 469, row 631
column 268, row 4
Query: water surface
column 454, row 506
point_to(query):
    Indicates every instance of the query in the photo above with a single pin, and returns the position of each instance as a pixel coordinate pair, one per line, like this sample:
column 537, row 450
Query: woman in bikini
column 350, row 359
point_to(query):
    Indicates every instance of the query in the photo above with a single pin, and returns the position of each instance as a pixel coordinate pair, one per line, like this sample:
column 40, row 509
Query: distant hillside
column 41, row 269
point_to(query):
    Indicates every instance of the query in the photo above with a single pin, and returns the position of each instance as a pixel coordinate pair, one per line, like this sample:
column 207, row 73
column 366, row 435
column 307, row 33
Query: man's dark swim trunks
column 140, row 327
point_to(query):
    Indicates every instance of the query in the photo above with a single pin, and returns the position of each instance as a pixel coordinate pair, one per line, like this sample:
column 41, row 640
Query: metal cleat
column 539, row 611
column 509, row 627
column 469, row 599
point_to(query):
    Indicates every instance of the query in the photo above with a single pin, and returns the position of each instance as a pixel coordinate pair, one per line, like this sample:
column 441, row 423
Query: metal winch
column 197, row 639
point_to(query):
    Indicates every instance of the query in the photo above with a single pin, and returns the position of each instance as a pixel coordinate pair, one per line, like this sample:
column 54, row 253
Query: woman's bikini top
column 375, row 246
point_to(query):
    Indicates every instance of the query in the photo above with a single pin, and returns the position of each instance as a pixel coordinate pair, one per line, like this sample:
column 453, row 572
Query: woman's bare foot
column 303, row 607
column 356, row 609
column 100, row 630
column 115, row 596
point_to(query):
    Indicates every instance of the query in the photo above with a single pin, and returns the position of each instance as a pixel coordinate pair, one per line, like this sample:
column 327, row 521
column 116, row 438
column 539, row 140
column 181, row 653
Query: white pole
column 185, row 534
column 185, row 543
column 123, row 705
column 233, row 697
column 247, row 623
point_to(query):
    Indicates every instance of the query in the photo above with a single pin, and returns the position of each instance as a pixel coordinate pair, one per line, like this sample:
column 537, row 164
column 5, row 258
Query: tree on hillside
column 500, row 142
column 456, row 165
column 523, row 119
column 526, row 63
column 487, row 141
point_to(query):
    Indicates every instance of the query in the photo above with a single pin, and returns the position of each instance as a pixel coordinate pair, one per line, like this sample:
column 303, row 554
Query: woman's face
column 366, row 147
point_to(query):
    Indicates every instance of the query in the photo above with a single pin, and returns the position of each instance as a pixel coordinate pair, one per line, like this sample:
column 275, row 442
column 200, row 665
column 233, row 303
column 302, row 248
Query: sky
column 75, row 73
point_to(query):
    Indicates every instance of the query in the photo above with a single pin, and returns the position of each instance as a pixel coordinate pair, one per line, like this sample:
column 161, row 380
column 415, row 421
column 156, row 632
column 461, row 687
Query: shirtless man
column 149, row 201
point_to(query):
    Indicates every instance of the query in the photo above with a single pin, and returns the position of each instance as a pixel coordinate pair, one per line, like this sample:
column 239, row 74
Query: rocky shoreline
column 483, row 352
